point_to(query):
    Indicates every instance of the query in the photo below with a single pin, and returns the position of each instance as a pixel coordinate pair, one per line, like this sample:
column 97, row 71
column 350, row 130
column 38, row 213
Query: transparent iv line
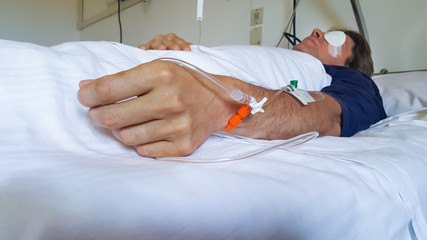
column 281, row 144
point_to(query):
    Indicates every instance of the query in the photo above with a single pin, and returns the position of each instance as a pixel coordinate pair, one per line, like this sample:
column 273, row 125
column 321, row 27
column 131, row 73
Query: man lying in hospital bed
column 177, row 110
column 62, row 177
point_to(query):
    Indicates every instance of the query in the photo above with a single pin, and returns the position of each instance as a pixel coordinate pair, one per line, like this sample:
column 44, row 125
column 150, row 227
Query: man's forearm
column 286, row 117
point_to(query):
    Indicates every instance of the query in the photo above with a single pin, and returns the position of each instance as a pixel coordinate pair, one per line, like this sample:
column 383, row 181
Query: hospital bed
column 63, row 178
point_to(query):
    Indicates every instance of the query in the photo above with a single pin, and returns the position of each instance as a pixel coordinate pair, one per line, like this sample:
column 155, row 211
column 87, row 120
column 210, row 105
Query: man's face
column 317, row 46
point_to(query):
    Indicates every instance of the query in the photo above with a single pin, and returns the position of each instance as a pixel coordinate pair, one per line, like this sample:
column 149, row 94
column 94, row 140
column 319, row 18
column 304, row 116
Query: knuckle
column 166, row 73
column 164, row 70
column 175, row 46
column 174, row 103
column 128, row 137
column 102, row 90
column 171, row 36
column 159, row 37
column 110, row 119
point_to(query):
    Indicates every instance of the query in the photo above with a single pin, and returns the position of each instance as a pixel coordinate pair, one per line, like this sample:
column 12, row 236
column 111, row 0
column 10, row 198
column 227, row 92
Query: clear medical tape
column 269, row 146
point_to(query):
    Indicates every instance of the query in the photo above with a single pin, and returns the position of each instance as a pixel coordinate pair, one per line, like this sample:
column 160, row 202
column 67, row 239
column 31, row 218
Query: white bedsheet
column 63, row 178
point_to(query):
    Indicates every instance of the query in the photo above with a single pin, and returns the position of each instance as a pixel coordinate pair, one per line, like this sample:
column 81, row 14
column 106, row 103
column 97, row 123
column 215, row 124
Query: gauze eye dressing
column 335, row 39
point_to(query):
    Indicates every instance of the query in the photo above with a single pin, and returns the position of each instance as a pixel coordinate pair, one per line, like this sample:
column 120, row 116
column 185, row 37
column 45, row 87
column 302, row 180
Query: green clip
column 294, row 83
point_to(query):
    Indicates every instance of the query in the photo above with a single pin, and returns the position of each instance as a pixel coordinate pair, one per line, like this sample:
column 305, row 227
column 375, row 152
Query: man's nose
column 318, row 33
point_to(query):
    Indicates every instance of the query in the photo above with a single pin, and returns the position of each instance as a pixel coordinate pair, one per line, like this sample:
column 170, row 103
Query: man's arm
column 177, row 109
column 287, row 117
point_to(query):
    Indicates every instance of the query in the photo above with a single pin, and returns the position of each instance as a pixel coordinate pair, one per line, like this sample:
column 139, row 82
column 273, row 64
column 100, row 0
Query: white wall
column 224, row 21
column 398, row 33
column 45, row 22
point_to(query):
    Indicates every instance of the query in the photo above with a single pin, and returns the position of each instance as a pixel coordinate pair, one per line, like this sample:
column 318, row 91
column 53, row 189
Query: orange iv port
column 243, row 111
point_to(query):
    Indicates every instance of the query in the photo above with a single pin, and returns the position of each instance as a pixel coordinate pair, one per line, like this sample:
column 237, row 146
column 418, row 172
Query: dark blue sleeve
column 358, row 96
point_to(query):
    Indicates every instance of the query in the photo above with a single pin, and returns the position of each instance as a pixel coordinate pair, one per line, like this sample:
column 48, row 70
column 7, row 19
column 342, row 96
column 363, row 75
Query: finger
column 167, row 42
column 180, row 47
column 175, row 47
column 143, row 47
column 150, row 45
column 160, row 42
column 148, row 132
column 164, row 149
column 187, row 47
column 171, row 41
column 135, row 111
column 85, row 82
column 167, row 46
column 112, row 88
column 154, row 45
column 183, row 45
column 178, row 44
column 159, row 46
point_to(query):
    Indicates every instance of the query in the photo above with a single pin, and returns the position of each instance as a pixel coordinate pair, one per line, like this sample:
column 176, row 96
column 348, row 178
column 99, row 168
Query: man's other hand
column 167, row 42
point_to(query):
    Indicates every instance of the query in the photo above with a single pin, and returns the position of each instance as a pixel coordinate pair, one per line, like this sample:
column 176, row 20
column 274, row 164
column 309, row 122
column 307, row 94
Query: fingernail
column 85, row 82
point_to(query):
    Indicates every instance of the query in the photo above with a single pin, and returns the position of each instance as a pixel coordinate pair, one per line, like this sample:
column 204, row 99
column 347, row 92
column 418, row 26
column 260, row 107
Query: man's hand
column 167, row 42
column 175, row 112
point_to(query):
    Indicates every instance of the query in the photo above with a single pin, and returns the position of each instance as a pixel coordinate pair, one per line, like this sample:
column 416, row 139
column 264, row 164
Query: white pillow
column 402, row 92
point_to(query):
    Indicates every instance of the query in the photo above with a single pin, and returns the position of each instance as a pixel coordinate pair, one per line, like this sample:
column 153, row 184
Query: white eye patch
column 335, row 39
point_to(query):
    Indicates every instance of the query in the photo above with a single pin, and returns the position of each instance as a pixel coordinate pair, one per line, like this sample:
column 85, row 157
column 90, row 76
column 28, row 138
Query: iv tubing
column 235, row 94
column 275, row 95
column 300, row 139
